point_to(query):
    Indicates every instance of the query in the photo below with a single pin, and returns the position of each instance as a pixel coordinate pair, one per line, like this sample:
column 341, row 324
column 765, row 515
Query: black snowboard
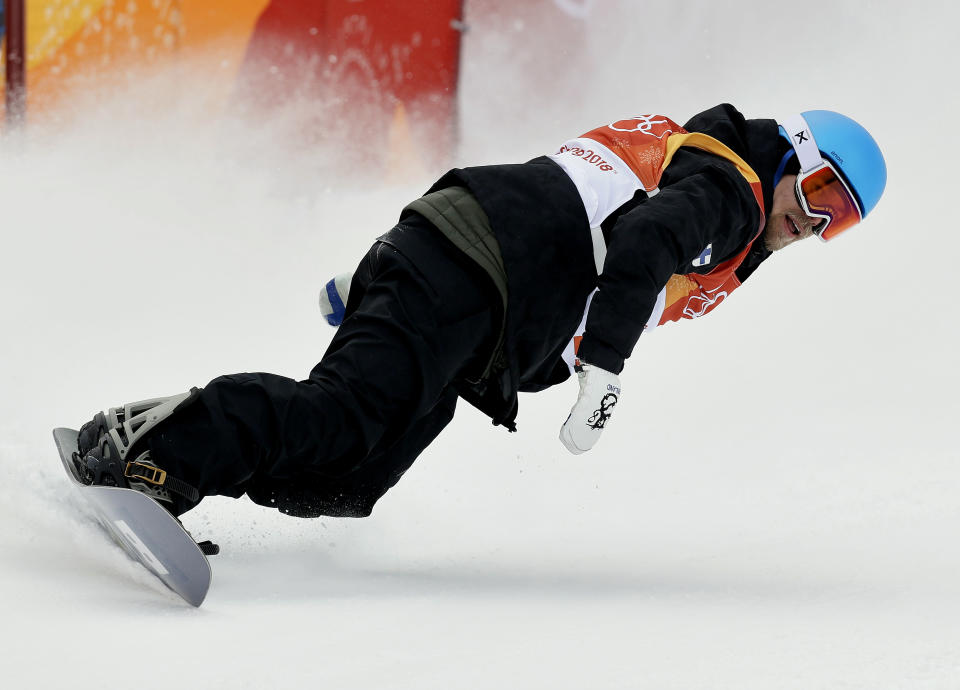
column 146, row 531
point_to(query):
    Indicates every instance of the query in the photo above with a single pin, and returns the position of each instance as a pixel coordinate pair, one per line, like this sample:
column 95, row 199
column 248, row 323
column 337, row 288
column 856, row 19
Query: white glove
column 599, row 393
column 333, row 298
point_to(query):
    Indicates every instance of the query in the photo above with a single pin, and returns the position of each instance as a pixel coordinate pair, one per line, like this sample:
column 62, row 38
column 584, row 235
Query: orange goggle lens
column 823, row 194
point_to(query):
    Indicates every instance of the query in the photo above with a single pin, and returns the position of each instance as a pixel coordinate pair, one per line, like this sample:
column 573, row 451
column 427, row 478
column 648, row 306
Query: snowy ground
column 775, row 506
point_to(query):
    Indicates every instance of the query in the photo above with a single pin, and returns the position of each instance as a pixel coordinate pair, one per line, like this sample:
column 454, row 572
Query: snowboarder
column 501, row 279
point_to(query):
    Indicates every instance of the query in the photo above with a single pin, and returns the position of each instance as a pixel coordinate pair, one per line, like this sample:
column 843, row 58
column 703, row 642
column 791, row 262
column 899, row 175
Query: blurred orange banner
column 382, row 74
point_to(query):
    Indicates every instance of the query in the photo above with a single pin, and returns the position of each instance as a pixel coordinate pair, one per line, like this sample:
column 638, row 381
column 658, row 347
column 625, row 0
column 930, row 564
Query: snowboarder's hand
column 599, row 393
column 333, row 298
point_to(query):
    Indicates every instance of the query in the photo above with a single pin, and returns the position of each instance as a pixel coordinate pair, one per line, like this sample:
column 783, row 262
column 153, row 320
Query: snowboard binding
column 108, row 455
column 110, row 452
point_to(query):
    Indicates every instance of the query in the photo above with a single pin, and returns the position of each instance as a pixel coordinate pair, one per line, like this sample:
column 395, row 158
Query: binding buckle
column 148, row 473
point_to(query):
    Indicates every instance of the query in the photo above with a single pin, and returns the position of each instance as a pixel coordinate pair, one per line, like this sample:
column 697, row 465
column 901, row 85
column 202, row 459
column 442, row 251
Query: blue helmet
column 852, row 151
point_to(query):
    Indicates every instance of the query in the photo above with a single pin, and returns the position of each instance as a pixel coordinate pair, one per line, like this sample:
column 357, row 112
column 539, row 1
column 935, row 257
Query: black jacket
column 540, row 223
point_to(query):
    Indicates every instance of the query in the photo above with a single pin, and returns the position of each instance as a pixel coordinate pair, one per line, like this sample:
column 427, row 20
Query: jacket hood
column 758, row 141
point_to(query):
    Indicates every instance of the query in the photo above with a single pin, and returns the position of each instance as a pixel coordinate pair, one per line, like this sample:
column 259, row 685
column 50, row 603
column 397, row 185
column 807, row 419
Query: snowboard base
column 144, row 529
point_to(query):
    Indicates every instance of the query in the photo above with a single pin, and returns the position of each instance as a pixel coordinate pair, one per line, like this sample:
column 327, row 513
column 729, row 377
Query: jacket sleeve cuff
column 599, row 354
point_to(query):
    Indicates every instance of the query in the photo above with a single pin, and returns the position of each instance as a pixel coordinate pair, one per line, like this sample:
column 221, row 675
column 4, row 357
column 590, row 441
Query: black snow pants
column 420, row 316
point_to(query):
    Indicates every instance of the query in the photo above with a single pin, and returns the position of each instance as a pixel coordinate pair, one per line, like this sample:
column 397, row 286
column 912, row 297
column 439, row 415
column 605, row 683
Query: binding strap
column 151, row 474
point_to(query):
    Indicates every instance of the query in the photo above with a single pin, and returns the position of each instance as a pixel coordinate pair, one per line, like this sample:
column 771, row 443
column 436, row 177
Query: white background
column 776, row 504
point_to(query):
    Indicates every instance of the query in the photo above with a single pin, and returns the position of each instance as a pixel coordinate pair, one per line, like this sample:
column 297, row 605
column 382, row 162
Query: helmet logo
column 801, row 136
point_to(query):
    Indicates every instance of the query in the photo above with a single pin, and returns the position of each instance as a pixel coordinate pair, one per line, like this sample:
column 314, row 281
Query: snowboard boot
column 112, row 451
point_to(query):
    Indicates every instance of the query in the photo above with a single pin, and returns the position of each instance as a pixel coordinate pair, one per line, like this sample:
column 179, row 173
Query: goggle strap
column 803, row 142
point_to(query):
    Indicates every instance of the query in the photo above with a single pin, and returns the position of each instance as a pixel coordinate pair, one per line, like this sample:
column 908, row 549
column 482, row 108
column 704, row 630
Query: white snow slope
column 776, row 504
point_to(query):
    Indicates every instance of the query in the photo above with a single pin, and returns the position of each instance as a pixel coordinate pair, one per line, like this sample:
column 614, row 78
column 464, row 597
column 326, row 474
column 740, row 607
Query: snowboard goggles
column 820, row 188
